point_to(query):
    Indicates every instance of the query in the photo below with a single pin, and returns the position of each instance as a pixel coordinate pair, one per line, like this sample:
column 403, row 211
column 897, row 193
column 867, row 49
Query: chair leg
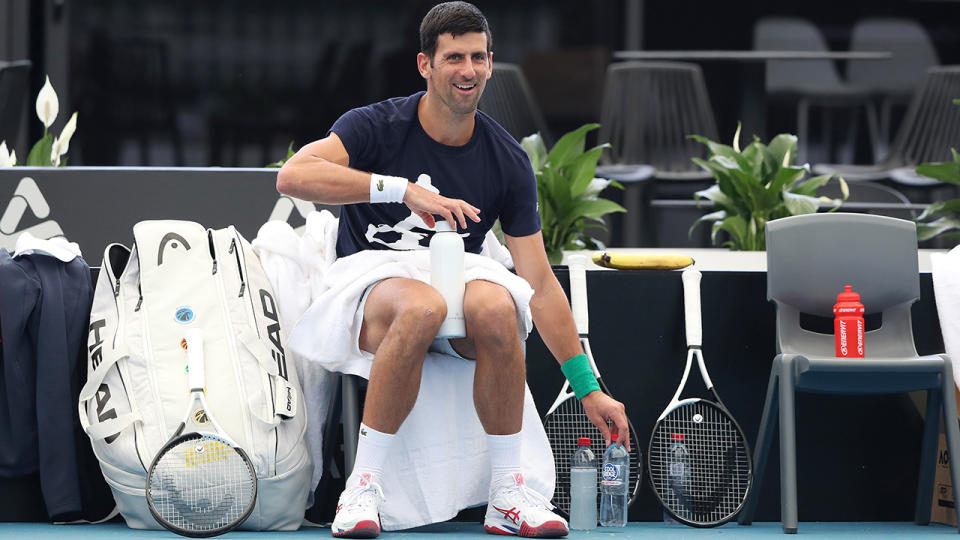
column 788, row 451
column 952, row 429
column 761, row 451
column 350, row 398
column 928, row 457
column 803, row 124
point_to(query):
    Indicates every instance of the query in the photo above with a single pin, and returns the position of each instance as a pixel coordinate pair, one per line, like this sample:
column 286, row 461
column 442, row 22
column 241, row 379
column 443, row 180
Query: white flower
column 61, row 144
column 48, row 106
column 55, row 152
column 7, row 159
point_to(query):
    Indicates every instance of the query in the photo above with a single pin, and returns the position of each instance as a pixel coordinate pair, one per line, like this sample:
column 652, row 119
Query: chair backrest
column 931, row 125
column 509, row 100
column 14, row 78
column 863, row 191
column 811, row 257
column 649, row 109
column 793, row 34
column 912, row 50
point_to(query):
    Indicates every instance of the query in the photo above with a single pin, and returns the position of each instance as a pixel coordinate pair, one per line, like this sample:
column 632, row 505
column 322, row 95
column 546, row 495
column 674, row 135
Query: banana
column 623, row 261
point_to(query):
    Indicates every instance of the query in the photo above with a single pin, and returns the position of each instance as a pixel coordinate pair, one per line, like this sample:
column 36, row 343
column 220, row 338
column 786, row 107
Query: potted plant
column 568, row 193
column 941, row 218
column 756, row 185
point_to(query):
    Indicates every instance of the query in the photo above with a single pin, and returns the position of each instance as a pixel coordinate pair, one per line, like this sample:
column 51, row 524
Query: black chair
column 509, row 100
column 14, row 78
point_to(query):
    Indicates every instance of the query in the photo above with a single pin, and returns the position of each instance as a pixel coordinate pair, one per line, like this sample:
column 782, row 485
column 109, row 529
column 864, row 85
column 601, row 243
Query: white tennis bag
column 181, row 276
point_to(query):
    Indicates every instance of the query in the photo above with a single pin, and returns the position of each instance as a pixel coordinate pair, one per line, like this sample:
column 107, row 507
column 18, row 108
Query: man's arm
column 319, row 172
column 551, row 314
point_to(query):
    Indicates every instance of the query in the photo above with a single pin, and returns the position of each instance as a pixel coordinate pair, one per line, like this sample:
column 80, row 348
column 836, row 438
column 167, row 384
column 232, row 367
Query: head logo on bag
column 171, row 239
column 184, row 315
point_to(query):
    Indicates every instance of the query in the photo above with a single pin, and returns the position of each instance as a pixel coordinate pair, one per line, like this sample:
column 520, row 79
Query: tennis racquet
column 200, row 484
column 699, row 462
column 566, row 420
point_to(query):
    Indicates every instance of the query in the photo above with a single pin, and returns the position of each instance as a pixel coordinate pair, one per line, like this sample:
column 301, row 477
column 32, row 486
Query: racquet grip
column 195, row 359
column 577, row 265
column 691, row 306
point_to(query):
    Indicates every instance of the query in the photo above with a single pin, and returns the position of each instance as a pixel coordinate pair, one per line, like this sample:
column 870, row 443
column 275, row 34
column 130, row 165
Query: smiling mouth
column 465, row 87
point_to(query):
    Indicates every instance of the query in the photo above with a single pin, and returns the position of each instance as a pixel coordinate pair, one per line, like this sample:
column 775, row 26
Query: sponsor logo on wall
column 27, row 196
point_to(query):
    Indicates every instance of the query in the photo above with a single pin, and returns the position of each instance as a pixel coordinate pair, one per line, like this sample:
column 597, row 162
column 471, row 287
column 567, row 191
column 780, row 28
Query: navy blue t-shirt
column 491, row 172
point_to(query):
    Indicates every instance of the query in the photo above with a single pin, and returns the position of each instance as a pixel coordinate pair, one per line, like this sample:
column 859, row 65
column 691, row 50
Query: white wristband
column 384, row 189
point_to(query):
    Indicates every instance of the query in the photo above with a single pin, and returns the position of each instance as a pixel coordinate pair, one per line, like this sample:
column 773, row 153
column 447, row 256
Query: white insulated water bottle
column 446, row 276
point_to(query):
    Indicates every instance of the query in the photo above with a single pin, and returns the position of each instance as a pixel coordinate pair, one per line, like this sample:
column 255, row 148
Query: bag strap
column 113, row 425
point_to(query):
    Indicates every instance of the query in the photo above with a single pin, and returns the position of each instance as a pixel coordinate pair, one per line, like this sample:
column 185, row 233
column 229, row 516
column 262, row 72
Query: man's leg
column 498, row 391
column 400, row 320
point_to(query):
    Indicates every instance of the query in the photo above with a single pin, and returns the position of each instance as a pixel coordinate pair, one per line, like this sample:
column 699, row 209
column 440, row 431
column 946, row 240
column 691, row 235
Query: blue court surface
column 639, row 530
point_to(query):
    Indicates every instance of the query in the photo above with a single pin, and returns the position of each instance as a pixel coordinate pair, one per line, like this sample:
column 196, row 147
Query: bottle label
column 612, row 474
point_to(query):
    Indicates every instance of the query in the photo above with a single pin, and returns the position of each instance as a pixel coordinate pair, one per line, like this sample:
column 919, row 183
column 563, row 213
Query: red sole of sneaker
column 550, row 529
column 363, row 529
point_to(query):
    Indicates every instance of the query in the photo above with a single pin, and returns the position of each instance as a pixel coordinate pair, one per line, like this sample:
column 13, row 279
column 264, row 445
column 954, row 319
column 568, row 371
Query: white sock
column 372, row 448
column 504, row 454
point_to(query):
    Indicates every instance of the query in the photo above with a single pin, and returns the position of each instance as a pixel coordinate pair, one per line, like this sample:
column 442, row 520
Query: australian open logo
column 184, row 315
column 609, row 472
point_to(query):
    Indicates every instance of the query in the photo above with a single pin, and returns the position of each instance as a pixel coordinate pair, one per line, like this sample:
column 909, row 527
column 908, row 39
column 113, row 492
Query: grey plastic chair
column 509, row 100
column 929, row 129
column 648, row 110
column 809, row 260
column 891, row 81
column 809, row 83
column 13, row 92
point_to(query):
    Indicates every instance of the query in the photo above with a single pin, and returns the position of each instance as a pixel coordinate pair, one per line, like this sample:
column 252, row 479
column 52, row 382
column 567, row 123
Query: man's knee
column 491, row 315
column 423, row 309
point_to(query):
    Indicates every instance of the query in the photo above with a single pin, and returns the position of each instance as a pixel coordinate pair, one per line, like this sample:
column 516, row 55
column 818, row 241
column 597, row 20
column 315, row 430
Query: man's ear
column 489, row 64
column 423, row 65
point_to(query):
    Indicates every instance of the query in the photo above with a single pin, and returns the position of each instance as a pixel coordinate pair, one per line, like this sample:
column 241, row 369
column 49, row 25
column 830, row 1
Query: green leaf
column 570, row 146
column 715, row 147
column 941, row 207
column 940, row 226
column 536, row 150
column 596, row 208
column 714, row 217
column 581, row 169
column 780, row 145
column 736, row 227
column 800, row 204
column 39, row 155
column 810, row 186
column 718, row 197
column 945, row 172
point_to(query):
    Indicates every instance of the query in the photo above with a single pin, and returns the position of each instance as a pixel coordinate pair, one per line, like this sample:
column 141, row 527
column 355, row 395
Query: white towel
column 439, row 462
column 946, row 289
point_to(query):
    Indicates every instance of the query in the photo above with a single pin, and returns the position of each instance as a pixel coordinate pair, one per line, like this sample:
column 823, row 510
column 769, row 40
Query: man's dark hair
column 455, row 18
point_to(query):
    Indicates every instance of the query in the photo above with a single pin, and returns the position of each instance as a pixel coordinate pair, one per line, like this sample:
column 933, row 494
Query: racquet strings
column 712, row 485
column 564, row 426
column 202, row 484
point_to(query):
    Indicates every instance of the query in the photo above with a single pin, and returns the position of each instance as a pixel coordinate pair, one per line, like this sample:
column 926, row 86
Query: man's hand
column 426, row 204
column 600, row 408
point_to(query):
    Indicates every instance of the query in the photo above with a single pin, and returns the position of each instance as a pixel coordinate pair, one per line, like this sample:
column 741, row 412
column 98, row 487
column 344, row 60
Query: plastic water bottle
column 583, row 487
column 679, row 470
column 446, row 276
column 614, row 485
column 848, row 324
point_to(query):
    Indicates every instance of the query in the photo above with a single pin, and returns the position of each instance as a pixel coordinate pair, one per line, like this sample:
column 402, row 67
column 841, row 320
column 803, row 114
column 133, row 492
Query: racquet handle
column 577, row 264
column 195, row 359
column 691, row 306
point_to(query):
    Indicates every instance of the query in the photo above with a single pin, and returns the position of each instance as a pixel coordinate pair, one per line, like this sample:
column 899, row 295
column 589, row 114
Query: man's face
column 458, row 71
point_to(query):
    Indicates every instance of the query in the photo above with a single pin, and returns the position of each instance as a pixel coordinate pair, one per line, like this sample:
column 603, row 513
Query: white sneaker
column 517, row 510
column 358, row 510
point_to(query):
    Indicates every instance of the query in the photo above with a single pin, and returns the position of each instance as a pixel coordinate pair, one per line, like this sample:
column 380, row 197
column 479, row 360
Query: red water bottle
column 848, row 324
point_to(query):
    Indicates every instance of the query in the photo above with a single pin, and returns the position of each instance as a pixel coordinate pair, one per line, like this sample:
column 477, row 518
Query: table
column 751, row 107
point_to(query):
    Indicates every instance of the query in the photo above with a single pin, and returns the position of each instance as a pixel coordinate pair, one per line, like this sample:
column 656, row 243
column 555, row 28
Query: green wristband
column 578, row 373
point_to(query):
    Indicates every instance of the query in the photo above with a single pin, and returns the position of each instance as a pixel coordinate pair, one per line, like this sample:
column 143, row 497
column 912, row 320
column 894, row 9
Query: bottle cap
column 614, row 437
column 583, row 441
column 676, row 436
column 848, row 295
column 442, row 226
